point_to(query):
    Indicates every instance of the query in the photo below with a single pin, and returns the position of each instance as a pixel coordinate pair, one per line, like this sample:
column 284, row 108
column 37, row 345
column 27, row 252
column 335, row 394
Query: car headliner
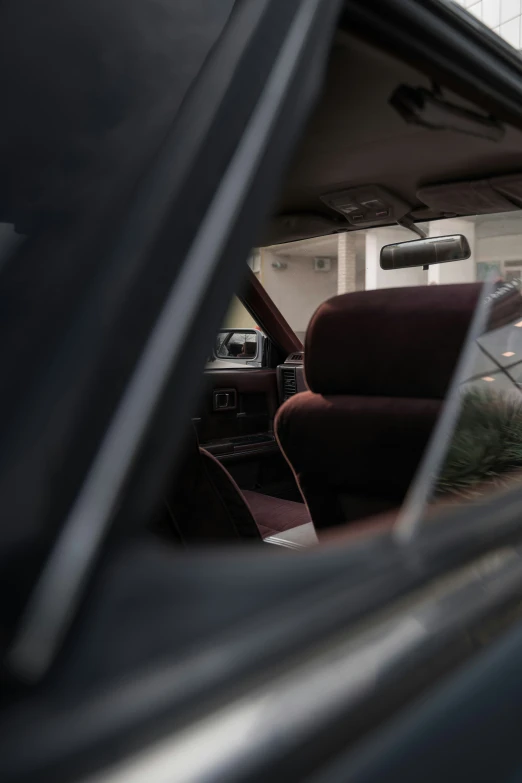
column 355, row 137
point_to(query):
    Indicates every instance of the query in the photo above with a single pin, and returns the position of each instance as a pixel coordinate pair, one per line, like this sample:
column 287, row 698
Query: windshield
column 299, row 276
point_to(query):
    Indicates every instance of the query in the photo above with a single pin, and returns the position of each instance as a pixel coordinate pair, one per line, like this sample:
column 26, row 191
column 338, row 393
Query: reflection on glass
column 234, row 345
column 503, row 347
column 484, row 453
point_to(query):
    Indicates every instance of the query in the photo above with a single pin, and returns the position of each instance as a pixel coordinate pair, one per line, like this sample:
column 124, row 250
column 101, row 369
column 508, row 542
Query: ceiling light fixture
column 488, row 378
column 509, row 353
column 519, row 324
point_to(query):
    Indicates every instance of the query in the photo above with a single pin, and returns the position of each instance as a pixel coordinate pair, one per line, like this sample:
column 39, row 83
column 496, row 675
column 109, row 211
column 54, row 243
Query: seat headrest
column 396, row 342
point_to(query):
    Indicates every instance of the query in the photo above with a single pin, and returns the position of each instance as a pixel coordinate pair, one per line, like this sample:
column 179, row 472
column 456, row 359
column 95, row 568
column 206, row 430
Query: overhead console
column 370, row 206
column 367, row 205
column 290, row 376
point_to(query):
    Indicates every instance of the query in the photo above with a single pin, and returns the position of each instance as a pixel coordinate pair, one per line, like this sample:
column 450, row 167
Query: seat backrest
column 204, row 504
column 377, row 365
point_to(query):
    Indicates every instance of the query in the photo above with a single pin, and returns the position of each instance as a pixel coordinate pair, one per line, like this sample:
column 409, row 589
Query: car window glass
column 484, row 451
column 238, row 317
column 475, row 449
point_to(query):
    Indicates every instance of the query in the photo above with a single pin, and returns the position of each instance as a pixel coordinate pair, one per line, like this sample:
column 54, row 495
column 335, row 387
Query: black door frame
column 243, row 114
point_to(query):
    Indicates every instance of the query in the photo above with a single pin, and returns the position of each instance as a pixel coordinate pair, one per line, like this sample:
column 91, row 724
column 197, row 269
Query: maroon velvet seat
column 377, row 364
column 206, row 505
column 274, row 515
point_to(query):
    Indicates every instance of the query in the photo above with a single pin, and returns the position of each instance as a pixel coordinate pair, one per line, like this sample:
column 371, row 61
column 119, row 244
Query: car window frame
column 456, row 541
column 278, row 47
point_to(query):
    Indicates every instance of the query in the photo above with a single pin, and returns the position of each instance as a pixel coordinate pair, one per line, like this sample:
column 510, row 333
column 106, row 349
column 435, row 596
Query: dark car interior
column 146, row 626
column 347, row 174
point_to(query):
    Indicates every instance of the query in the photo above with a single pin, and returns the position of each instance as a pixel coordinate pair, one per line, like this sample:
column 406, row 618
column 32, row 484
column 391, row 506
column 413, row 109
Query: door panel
column 246, row 427
column 242, row 438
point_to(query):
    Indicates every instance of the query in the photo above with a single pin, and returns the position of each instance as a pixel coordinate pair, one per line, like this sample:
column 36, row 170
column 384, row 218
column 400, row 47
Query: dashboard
column 291, row 377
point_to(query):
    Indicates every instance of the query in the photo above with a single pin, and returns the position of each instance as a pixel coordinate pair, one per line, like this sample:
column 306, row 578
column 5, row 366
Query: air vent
column 288, row 382
column 295, row 357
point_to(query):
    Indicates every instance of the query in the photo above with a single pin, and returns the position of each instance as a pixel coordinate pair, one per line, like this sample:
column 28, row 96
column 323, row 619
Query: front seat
column 377, row 364
column 204, row 504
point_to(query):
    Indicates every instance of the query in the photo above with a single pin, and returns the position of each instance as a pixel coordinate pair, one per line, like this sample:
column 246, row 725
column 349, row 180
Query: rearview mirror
column 424, row 252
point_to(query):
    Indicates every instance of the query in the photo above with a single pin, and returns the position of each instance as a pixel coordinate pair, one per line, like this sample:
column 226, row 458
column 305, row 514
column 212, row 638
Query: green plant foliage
column 487, row 442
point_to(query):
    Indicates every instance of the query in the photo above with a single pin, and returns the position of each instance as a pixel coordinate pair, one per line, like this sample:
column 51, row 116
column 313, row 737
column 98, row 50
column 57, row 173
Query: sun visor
column 480, row 197
column 510, row 187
